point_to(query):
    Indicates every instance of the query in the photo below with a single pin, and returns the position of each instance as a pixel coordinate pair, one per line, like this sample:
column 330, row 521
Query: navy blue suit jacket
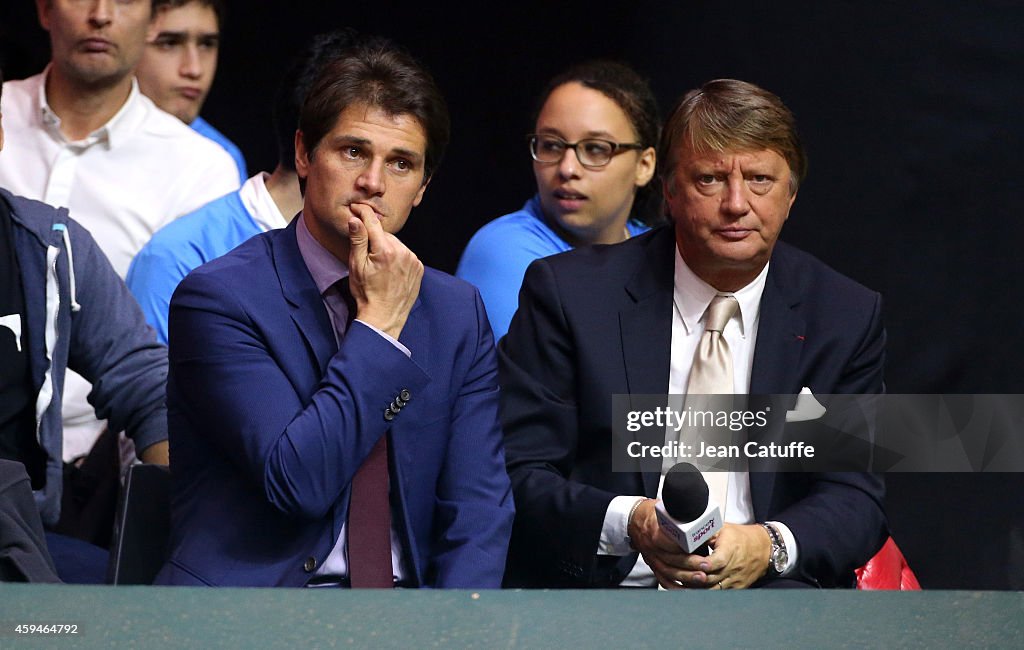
column 598, row 321
column 269, row 421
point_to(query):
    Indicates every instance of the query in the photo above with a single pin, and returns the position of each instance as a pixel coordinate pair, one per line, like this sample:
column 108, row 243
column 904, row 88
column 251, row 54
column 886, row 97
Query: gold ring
column 720, row 586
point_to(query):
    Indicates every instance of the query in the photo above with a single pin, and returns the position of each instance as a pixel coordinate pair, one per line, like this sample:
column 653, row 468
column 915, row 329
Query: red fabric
column 888, row 569
column 369, row 523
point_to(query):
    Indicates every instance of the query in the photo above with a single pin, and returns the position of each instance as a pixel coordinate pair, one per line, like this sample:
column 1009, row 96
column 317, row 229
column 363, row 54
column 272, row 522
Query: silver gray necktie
column 712, row 374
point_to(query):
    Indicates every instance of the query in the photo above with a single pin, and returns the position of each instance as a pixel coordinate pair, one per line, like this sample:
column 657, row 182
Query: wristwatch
column 779, row 557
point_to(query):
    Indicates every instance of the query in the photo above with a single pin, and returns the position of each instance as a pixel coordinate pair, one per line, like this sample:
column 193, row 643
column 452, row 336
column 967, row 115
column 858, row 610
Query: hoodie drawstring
column 71, row 265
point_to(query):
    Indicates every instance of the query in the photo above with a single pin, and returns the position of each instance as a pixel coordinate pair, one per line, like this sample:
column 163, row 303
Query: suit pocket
column 181, row 575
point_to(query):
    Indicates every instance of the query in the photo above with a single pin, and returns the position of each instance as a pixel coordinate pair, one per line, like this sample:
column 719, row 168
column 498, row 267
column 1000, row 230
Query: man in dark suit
column 300, row 436
column 630, row 318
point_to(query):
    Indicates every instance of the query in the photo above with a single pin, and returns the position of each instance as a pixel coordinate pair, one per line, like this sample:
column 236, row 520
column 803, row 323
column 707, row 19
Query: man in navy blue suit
column 332, row 403
column 629, row 318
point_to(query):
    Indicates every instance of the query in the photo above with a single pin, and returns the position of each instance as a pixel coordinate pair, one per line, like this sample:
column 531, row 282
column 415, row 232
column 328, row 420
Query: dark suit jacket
column 269, row 421
column 598, row 321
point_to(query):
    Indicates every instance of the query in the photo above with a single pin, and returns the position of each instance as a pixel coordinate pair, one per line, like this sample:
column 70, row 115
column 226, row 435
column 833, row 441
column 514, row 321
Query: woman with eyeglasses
column 593, row 150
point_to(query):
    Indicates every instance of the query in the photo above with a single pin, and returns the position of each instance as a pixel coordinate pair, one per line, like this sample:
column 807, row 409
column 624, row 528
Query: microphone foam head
column 685, row 492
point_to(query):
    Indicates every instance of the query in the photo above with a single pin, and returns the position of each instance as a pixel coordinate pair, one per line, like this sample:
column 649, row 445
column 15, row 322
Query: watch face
column 779, row 559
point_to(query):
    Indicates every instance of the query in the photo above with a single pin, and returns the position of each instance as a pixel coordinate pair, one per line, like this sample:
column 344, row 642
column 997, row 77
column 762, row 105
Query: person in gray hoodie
column 63, row 306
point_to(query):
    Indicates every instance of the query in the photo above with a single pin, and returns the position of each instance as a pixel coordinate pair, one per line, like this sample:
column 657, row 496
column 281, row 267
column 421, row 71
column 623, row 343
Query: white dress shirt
column 125, row 180
column 690, row 301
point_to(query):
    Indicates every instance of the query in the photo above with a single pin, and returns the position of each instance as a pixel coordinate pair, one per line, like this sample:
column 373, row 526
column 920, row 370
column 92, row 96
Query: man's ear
column 419, row 195
column 151, row 30
column 43, row 10
column 301, row 157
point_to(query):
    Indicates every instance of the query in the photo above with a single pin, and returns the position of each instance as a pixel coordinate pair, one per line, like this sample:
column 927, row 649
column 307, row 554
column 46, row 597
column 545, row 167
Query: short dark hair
column 380, row 74
column 631, row 92
column 292, row 91
column 219, row 7
column 729, row 114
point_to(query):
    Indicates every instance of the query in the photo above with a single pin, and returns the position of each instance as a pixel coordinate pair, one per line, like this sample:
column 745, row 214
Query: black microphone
column 686, row 511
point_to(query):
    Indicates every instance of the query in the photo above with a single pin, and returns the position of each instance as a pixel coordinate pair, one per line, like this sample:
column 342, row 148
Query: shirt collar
column 257, row 200
column 124, row 120
column 692, row 296
column 325, row 268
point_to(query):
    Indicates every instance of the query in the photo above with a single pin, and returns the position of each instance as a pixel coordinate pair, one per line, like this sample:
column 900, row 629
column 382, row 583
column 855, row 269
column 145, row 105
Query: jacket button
column 396, row 407
column 405, row 395
column 310, row 564
column 389, row 415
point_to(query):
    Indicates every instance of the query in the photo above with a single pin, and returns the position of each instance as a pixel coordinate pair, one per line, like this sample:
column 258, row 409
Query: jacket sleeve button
column 405, row 395
column 389, row 415
column 310, row 564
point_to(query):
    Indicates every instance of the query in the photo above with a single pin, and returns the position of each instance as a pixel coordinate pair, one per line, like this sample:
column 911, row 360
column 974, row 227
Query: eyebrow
column 349, row 139
column 352, row 139
column 408, row 153
column 603, row 135
column 184, row 34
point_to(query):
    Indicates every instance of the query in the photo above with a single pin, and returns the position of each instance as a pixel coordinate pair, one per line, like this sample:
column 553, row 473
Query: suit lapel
column 645, row 324
column 305, row 303
column 776, row 366
column 780, row 335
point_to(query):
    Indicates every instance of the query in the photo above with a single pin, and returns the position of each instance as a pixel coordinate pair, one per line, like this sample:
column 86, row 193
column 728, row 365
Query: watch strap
column 778, row 546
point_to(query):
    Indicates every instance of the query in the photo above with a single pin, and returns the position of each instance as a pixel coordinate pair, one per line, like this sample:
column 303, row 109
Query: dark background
column 910, row 112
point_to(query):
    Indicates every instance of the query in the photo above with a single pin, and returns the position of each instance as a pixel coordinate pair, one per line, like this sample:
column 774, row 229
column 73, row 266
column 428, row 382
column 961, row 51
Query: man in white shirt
column 630, row 319
column 80, row 135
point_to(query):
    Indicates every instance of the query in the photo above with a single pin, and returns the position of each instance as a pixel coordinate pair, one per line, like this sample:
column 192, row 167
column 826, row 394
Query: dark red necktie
column 369, row 522
column 369, row 511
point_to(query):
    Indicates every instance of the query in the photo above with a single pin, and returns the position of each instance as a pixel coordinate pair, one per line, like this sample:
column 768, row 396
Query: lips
column 190, row 93
column 96, row 45
column 569, row 195
column 734, row 234
column 377, row 212
column 569, row 200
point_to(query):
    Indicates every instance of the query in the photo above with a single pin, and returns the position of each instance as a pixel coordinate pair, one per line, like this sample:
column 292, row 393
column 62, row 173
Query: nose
column 101, row 13
column 569, row 165
column 371, row 180
column 190, row 66
column 736, row 202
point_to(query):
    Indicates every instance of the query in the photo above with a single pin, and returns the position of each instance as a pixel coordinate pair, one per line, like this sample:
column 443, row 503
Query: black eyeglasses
column 592, row 153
